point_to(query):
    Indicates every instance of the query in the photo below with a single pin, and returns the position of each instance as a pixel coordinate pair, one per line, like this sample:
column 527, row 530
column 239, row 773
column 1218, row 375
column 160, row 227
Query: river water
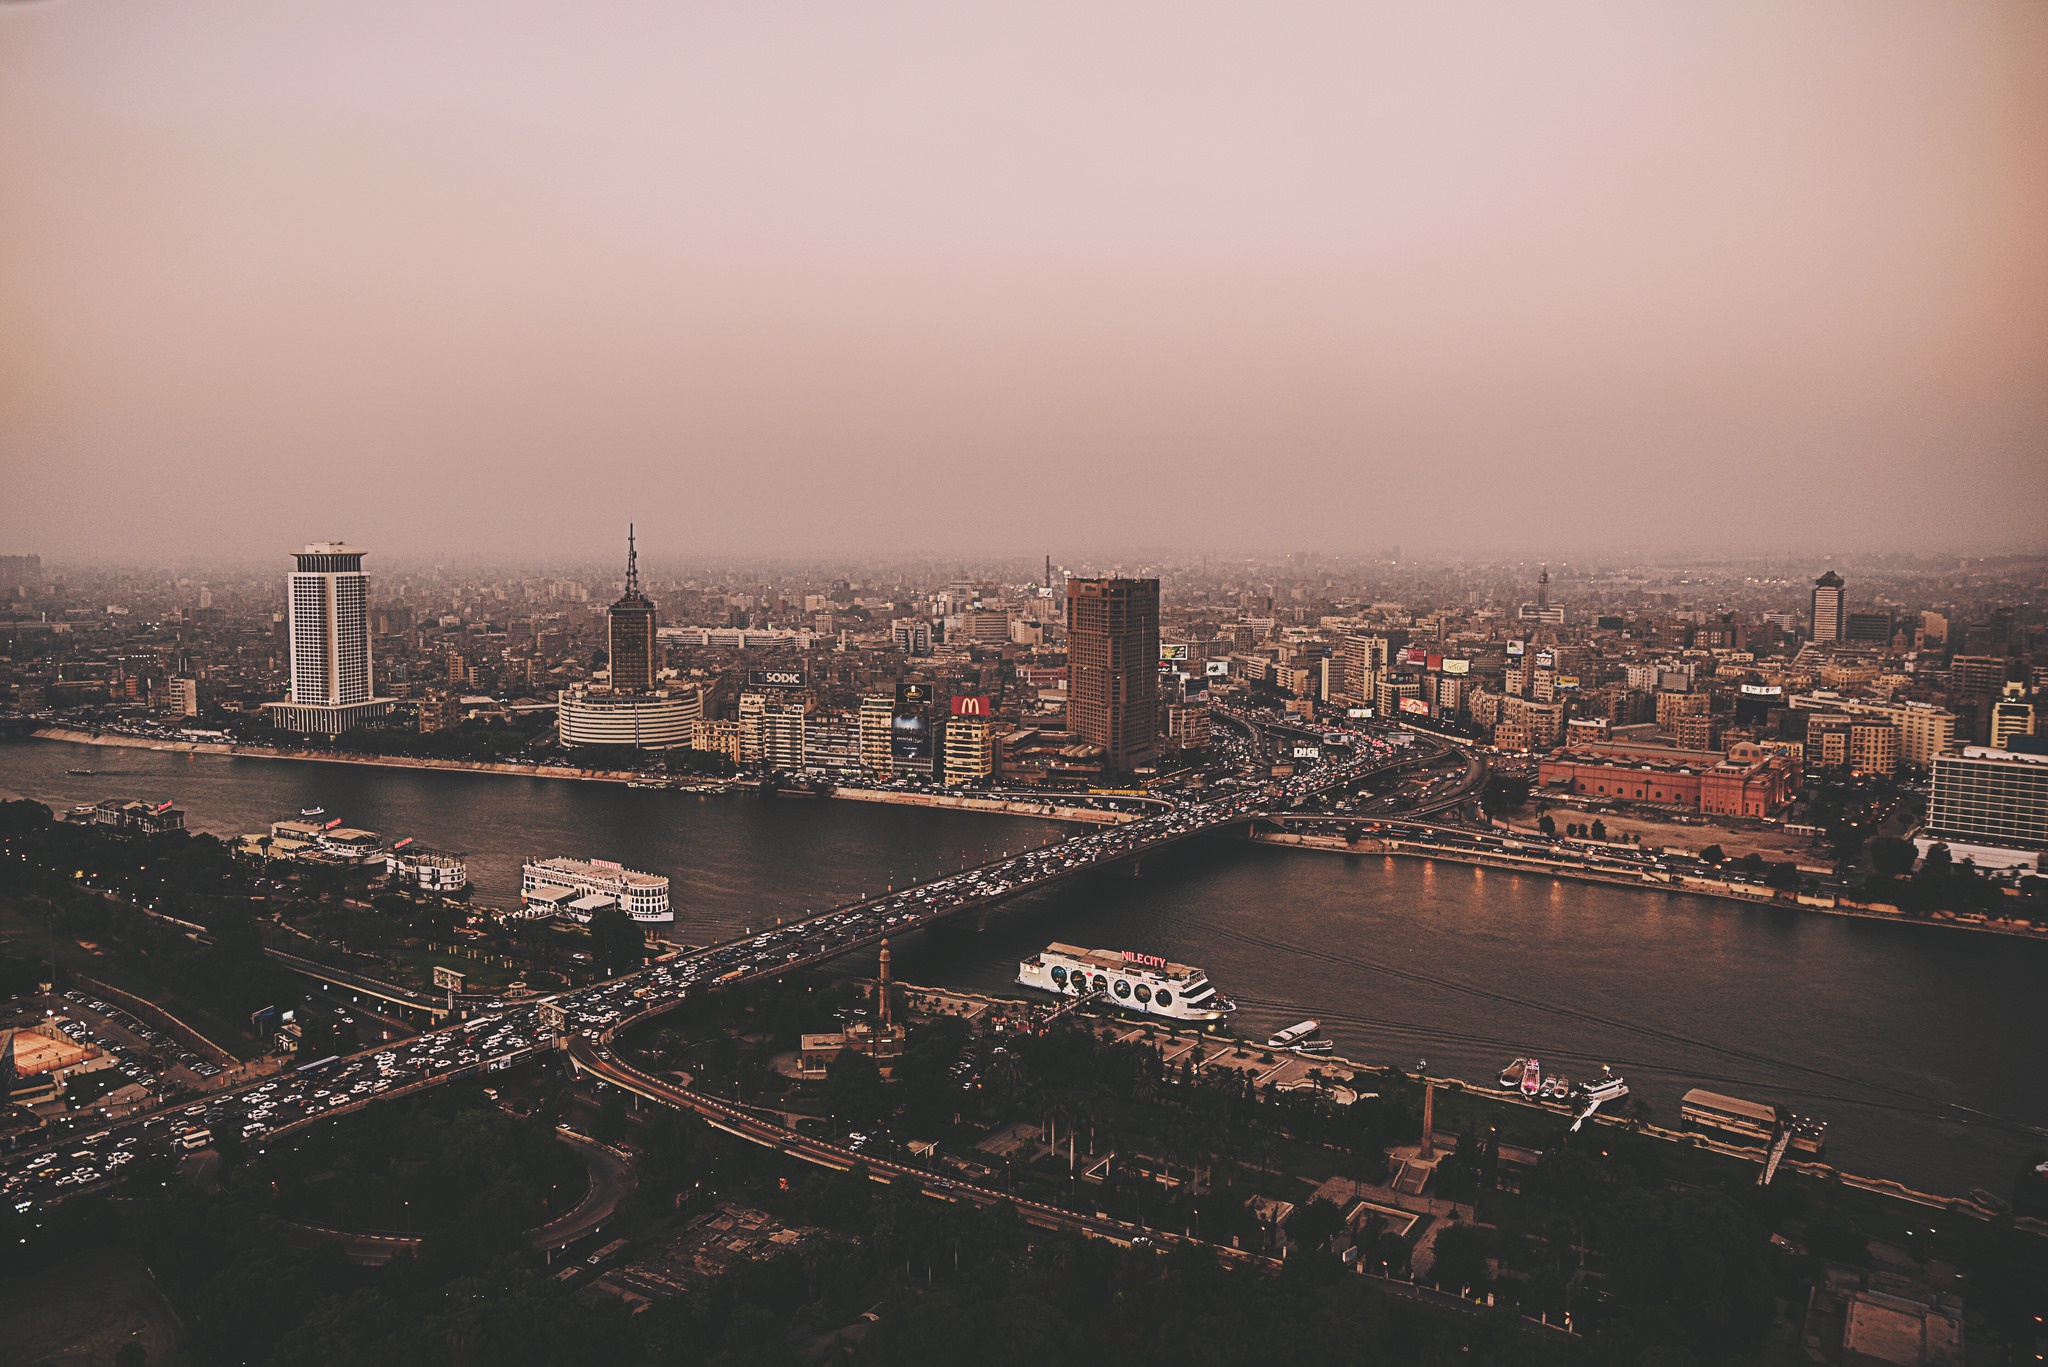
column 1922, row 1046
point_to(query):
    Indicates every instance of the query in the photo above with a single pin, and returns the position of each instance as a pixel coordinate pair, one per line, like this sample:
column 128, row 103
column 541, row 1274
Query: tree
column 853, row 1089
column 1505, row 793
column 1459, row 1257
column 617, row 941
column 1314, row 1223
column 1892, row 856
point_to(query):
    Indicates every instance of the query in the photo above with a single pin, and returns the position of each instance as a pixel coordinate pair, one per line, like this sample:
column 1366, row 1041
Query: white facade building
column 651, row 721
column 328, row 599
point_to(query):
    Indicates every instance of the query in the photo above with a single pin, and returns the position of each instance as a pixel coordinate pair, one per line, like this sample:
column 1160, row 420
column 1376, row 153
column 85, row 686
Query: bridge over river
column 508, row 1034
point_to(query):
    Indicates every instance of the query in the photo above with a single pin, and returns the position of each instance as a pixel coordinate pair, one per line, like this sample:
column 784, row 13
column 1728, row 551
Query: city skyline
column 1337, row 279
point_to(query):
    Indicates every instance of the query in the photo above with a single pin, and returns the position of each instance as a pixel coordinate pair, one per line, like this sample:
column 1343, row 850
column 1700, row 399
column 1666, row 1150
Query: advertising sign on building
column 910, row 729
column 775, row 678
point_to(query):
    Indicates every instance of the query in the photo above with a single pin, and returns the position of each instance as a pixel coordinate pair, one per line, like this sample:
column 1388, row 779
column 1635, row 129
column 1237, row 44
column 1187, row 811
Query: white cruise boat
column 1139, row 983
column 576, row 889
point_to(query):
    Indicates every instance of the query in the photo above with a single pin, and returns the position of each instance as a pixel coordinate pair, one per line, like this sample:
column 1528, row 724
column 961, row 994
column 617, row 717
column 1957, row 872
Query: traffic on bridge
column 509, row 1035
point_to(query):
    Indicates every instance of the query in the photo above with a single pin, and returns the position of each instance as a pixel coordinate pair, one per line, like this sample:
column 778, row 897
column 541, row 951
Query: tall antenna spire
column 632, row 563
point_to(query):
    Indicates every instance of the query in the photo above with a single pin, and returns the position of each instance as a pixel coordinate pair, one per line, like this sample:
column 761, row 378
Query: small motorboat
column 1511, row 1076
column 1607, row 1088
column 1293, row 1034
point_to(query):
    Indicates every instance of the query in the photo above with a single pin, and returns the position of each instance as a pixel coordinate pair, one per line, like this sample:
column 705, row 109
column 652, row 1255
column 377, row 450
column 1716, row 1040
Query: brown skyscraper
column 632, row 631
column 1113, row 667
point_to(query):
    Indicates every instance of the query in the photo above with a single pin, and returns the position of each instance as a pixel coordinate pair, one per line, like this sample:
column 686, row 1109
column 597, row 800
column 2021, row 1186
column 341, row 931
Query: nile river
column 1922, row 1046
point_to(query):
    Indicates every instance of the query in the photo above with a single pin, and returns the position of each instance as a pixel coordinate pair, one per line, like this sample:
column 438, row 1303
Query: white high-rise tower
column 328, row 597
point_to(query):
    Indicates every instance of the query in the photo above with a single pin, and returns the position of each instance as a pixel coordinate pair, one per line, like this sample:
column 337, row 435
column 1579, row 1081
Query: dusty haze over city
column 786, row 281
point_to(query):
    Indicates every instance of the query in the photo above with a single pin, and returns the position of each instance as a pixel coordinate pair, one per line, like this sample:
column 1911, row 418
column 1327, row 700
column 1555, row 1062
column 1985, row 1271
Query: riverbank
column 1049, row 809
column 1211, row 1049
column 1697, row 887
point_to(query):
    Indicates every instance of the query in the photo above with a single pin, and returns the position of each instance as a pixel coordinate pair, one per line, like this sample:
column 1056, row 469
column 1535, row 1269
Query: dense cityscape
column 1861, row 744
column 902, row 685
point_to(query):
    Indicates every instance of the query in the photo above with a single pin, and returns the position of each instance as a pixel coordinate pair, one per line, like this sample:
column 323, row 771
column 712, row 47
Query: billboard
column 1173, row 651
column 775, row 678
column 1517, row 648
column 1215, row 669
column 1415, row 707
column 910, row 729
column 969, row 706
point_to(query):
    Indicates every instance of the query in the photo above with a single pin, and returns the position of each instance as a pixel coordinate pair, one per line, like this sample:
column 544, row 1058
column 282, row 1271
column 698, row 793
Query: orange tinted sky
column 846, row 278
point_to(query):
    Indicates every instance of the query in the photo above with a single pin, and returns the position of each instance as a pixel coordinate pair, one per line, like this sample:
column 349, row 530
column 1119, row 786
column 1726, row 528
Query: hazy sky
column 779, row 279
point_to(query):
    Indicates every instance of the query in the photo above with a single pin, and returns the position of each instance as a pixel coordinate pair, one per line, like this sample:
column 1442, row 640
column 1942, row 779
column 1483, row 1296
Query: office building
column 1113, row 667
column 1828, row 617
column 630, row 710
column 831, row 745
column 631, row 631
column 328, row 601
column 911, row 635
column 1924, row 730
column 1187, row 726
column 782, row 724
column 2012, row 716
column 181, row 696
column 877, row 727
column 1990, row 797
column 969, row 748
column 1365, row 660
